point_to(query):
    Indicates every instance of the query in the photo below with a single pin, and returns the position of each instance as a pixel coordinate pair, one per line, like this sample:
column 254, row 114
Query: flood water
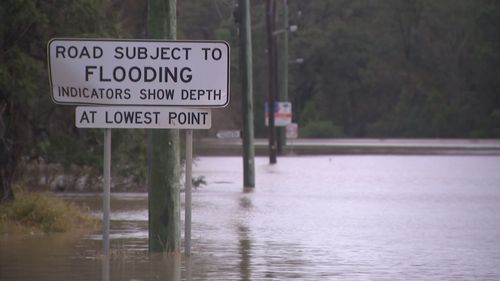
column 309, row 218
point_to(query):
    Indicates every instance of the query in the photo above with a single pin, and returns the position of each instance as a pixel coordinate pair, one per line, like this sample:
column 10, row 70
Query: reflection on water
column 245, row 241
column 309, row 218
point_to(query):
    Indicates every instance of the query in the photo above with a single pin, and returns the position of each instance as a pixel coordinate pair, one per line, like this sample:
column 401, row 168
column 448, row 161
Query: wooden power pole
column 247, row 90
column 164, row 167
column 283, row 96
column 272, row 76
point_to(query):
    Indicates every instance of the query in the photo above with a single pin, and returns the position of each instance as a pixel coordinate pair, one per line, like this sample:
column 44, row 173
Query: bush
column 320, row 129
column 40, row 212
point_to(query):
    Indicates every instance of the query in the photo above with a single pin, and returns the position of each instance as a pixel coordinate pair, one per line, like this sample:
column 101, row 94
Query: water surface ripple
column 309, row 218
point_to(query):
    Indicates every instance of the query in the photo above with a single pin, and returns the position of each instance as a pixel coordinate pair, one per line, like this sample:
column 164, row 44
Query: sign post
column 188, row 187
column 106, row 190
column 151, row 84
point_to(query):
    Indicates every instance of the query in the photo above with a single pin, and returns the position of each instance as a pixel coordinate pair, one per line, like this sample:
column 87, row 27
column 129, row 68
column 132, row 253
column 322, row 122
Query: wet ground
column 309, row 218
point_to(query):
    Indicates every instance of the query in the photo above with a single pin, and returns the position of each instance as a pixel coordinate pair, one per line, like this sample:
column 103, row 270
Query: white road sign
column 142, row 117
column 139, row 72
column 282, row 113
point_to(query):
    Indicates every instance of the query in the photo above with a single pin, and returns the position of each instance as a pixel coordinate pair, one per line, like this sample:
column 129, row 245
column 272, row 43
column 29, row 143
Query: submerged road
column 212, row 146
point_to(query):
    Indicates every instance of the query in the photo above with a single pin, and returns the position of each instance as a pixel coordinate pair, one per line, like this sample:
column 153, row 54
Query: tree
column 399, row 68
column 30, row 123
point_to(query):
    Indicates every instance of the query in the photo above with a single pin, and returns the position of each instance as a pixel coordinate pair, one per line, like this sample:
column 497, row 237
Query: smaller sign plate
column 282, row 113
column 142, row 117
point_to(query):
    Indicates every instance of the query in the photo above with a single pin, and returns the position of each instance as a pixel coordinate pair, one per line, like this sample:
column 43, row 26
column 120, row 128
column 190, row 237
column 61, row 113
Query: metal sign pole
column 189, row 165
column 106, row 191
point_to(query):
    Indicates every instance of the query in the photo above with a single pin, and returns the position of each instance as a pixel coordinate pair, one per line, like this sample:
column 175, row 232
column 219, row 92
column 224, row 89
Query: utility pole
column 284, row 79
column 245, row 36
column 272, row 76
column 164, row 167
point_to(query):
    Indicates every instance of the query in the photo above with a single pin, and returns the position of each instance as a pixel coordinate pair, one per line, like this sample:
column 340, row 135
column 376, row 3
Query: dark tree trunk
column 7, row 163
column 6, row 173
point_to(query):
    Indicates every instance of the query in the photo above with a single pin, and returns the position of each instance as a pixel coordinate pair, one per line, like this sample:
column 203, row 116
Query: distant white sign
column 282, row 113
column 139, row 72
column 228, row 134
column 292, row 131
column 142, row 117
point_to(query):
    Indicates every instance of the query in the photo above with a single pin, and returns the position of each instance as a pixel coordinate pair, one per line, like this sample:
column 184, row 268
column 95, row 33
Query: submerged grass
column 34, row 212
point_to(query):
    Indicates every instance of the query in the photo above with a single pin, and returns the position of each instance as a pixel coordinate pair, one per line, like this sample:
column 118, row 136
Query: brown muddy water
column 309, row 218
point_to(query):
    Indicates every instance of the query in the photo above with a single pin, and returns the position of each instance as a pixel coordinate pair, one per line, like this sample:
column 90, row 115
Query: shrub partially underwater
column 33, row 212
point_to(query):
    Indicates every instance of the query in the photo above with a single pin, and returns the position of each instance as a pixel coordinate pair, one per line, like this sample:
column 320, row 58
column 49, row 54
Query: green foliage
column 130, row 154
column 39, row 212
column 399, row 68
column 320, row 129
column 309, row 114
column 311, row 125
column 199, row 182
column 31, row 125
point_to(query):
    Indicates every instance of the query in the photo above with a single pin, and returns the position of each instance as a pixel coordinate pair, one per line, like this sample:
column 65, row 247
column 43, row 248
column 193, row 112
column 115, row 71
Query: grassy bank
column 40, row 213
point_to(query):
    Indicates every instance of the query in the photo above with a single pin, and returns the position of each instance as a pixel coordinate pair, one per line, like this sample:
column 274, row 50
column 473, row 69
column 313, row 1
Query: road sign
column 292, row 131
column 228, row 134
column 142, row 117
column 282, row 113
column 139, row 72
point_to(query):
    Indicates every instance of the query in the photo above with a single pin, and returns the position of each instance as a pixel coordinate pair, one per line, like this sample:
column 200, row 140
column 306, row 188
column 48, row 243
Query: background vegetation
column 38, row 213
column 372, row 68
